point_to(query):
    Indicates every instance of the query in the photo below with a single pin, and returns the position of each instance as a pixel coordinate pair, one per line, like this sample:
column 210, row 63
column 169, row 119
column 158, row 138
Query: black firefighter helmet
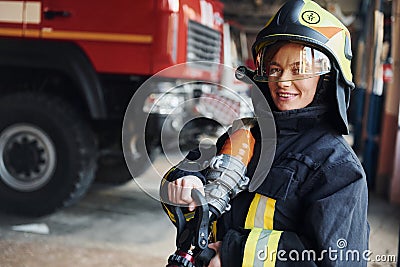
column 305, row 22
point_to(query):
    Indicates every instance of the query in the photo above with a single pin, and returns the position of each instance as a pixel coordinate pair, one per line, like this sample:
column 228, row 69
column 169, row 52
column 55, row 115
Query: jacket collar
column 298, row 120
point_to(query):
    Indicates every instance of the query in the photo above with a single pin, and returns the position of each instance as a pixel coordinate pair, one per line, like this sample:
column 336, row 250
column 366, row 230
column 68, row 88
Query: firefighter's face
column 289, row 94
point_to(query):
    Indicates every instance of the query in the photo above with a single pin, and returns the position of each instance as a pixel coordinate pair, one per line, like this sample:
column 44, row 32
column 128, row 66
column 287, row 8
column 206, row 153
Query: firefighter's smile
column 285, row 96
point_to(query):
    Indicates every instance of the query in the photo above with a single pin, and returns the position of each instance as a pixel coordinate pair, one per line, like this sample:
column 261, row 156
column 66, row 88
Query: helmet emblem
column 310, row 17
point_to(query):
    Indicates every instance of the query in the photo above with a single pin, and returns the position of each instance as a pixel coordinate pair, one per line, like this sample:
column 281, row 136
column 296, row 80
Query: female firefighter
column 311, row 210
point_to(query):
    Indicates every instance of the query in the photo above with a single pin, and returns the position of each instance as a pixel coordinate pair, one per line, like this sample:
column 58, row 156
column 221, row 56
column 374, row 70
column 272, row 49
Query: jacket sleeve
column 334, row 231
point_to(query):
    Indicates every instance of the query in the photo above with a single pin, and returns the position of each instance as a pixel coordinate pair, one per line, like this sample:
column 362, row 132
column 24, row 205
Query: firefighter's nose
column 285, row 83
column 286, row 79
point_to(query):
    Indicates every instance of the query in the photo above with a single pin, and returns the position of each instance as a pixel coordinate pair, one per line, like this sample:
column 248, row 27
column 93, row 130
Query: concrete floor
column 384, row 220
column 125, row 226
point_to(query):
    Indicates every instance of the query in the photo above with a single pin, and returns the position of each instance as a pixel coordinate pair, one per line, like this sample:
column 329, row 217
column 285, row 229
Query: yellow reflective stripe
column 249, row 224
column 261, row 213
column 261, row 248
column 269, row 214
column 250, row 247
column 272, row 250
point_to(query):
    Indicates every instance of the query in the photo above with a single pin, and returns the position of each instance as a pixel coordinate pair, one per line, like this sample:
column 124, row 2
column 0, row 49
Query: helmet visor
column 298, row 62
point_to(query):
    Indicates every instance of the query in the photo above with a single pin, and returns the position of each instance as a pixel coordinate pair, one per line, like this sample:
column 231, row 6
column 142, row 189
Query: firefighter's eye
column 295, row 70
column 274, row 71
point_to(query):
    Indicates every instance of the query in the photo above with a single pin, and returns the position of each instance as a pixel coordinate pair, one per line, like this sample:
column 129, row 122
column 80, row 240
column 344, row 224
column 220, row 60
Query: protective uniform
column 314, row 199
column 311, row 209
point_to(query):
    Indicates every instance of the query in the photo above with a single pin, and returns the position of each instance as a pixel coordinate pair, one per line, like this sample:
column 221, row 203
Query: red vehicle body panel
column 120, row 36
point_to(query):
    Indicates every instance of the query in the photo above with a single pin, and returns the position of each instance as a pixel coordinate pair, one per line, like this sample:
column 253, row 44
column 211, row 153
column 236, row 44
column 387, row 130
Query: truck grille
column 204, row 44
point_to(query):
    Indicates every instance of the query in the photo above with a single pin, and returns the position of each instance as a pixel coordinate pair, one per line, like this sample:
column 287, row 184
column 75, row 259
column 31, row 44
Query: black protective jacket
column 311, row 210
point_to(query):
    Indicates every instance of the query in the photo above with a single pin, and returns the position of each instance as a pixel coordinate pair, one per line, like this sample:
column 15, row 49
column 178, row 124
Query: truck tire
column 113, row 169
column 47, row 154
column 141, row 144
column 113, row 173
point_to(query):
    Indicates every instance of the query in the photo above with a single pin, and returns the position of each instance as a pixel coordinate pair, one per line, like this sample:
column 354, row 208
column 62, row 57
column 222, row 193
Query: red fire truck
column 68, row 71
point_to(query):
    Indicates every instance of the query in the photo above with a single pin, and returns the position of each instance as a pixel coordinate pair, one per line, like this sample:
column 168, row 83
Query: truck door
column 115, row 34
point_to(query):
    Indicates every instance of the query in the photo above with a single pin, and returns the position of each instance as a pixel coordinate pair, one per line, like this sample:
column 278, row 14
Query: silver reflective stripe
column 259, row 219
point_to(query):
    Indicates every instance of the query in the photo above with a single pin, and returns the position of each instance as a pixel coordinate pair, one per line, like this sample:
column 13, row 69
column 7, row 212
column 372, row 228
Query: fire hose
column 225, row 180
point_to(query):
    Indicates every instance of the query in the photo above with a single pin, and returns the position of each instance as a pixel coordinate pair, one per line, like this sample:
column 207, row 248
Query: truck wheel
column 47, row 154
column 140, row 147
column 113, row 169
